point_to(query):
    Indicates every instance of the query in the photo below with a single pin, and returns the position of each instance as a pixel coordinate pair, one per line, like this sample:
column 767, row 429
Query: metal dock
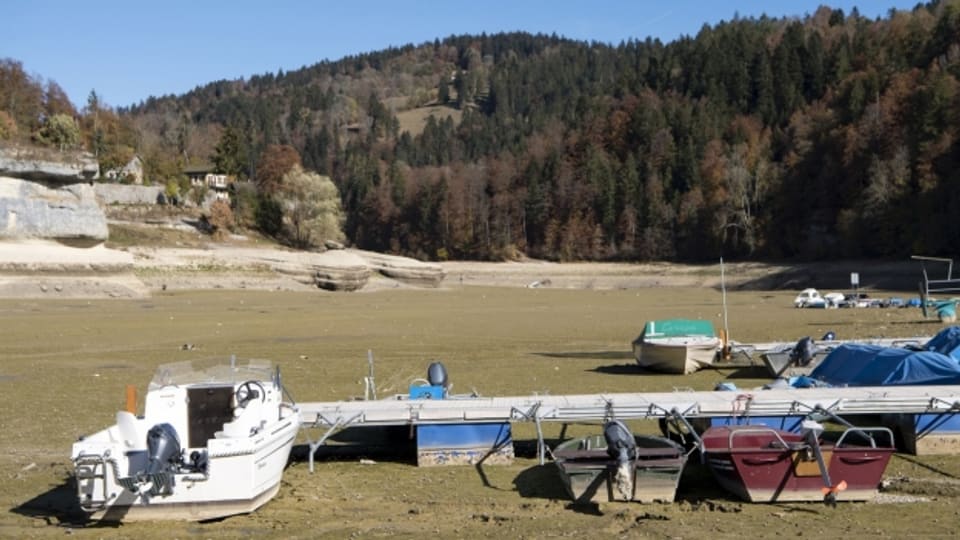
column 332, row 416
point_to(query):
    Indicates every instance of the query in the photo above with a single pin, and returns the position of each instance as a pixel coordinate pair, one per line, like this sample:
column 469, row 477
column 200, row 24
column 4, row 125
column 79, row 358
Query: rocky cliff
column 68, row 214
column 44, row 202
column 48, row 166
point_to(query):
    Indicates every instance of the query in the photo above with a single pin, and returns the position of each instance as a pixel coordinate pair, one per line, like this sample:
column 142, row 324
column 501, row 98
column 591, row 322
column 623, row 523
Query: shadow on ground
column 589, row 355
column 540, row 482
column 384, row 443
column 623, row 369
column 57, row 506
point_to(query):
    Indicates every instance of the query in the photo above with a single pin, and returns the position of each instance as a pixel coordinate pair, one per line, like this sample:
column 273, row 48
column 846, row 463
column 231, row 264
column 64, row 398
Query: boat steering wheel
column 248, row 392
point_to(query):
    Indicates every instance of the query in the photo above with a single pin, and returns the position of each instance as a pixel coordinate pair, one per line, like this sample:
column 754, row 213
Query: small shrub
column 221, row 218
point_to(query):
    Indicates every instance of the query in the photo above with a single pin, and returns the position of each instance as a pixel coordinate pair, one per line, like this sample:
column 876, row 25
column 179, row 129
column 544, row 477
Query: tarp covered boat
column 872, row 365
column 791, row 360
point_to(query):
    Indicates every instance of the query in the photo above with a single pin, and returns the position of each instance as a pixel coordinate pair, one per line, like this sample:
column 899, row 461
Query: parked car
column 834, row 299
column 894, row 301
column 861, row 300
column 811, row 298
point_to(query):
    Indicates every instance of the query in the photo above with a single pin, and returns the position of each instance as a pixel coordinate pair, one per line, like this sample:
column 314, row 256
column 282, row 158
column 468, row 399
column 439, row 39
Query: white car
column 811, row 298
column 834, row 299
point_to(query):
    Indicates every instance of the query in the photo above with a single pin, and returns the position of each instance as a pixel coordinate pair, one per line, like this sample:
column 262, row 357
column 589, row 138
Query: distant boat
column 593, row 470
column 801, row 358
column 763, row 464
column 677, row 345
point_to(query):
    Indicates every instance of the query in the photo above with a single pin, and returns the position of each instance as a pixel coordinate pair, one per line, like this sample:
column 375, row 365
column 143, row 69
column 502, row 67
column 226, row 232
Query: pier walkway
column 332, row 416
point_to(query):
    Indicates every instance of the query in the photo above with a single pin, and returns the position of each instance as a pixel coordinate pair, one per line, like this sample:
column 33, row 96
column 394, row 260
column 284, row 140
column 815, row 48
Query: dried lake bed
column 66, row 363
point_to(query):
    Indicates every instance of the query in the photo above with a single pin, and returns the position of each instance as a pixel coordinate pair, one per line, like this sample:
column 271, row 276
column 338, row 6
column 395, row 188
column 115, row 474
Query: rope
column 737, row 401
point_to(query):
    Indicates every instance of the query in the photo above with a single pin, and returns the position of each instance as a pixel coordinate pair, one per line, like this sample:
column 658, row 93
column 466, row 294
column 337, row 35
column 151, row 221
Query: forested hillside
column 829, row 136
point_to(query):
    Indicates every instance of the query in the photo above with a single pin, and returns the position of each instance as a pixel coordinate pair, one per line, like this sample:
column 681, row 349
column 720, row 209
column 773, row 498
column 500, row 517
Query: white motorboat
column 676, row 345
column 213, row 441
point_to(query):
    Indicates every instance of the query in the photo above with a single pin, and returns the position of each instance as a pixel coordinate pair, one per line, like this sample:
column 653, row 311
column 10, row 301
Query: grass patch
column 128, row 235
column 415, row 119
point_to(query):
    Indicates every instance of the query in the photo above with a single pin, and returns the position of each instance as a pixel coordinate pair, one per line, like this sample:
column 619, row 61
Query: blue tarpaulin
column 872, row 365
column 946, row 342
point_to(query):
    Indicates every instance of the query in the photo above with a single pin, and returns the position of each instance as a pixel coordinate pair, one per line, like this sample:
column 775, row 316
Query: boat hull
column 781, row 364
column 766, row 465
column 243, row 476
column 680, row 355
column 588, row 472
column 184, row 511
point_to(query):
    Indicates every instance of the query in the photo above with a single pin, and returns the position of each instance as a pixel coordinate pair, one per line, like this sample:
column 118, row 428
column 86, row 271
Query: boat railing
column 93, row 467
column 762, row 430
column 866, row 433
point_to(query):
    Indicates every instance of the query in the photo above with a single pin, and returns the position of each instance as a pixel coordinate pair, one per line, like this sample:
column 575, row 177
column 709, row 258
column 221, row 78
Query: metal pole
column 723, row 287
column 371, row 384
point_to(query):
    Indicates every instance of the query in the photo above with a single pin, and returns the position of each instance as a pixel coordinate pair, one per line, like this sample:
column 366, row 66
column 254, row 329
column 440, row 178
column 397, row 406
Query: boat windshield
column 218, row 371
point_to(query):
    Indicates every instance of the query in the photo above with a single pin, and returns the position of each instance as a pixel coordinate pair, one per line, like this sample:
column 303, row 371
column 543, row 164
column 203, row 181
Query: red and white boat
column 763, row 464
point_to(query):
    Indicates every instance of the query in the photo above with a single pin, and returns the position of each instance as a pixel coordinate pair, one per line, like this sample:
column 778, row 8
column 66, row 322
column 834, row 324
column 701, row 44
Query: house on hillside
column 206, row 175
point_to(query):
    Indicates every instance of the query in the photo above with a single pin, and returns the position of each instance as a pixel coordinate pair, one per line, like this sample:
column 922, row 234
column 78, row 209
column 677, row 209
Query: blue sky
column 128, row 50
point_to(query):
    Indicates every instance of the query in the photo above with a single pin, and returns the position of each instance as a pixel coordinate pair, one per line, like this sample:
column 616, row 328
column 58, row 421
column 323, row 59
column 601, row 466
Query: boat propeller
column 830, row 493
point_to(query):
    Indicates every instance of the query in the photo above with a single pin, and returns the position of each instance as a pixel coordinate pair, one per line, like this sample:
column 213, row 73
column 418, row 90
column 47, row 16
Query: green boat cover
column 678, row 327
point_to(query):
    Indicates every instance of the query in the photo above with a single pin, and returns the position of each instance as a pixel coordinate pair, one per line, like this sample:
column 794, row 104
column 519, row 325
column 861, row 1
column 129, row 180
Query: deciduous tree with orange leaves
column 276, row 161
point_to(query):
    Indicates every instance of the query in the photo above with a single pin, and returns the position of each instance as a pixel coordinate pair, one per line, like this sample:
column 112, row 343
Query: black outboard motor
column 802, row 352
column 437, row 375
column 163, row 449
column 621, row 445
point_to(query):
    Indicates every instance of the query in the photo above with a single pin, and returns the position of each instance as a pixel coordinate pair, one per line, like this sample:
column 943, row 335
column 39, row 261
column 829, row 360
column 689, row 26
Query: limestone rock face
column 339, row 271
column 341, row 279
column 404, row 269
column 69, row 214
column 48, row 166
column 109, row 194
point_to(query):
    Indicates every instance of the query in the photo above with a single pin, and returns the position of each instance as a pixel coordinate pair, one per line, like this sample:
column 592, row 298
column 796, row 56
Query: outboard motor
column 437, row 375
column 164, row 459
column 163, row 449
column 802, row 352
column 621, row 446
column 811, row 431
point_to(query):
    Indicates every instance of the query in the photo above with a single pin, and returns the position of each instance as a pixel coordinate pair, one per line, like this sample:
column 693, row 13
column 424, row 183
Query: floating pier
column 332, row 416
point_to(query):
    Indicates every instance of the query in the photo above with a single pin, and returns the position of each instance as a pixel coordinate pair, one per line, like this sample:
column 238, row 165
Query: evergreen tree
column 230, row 154
column 443, row 90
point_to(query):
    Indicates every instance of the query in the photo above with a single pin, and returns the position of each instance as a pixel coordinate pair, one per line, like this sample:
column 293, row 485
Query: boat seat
column 245, row 420
column 233, row 430
column 130, row 433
